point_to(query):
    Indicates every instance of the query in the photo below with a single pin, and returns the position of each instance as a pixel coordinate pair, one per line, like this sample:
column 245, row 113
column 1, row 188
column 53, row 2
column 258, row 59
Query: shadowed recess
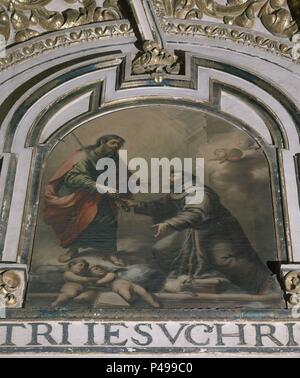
column 294, row 6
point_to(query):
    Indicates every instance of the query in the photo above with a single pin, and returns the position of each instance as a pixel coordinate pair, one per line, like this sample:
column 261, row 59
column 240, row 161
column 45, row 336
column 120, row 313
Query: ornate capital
column 156, row 61
column 291, row 283
column 11, row 288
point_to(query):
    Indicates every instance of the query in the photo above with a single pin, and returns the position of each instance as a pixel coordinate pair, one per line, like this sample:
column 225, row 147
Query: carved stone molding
column 238, row 21
column 156, row 61
column 234, row 35
column 274, row 15
column 34, row 48
column 21, row 20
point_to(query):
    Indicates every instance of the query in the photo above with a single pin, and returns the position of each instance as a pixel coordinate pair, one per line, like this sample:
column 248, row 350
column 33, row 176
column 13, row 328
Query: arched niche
column 100, row 87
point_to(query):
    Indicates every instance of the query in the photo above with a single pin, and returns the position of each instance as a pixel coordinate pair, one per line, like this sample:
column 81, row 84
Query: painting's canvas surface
column 110, row 253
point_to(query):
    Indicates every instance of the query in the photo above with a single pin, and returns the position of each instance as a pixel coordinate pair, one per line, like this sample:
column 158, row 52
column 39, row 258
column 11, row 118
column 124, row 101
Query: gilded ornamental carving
column 156, row 61
column 10, row 281
column 291, row 282
column 21, row 20
column 273, row 14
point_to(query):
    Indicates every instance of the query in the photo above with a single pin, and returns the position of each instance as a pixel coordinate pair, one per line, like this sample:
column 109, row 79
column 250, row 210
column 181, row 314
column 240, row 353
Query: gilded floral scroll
column 275, row 15
column 21, row 20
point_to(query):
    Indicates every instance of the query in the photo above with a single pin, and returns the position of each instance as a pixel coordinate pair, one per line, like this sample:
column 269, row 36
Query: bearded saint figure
column 80, row 216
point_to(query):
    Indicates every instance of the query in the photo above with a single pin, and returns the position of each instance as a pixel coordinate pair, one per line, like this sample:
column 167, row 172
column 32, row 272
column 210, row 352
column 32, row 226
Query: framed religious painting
column 149, row 187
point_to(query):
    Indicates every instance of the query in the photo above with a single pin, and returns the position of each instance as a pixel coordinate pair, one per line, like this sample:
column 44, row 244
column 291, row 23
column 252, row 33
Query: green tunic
column 101, row 233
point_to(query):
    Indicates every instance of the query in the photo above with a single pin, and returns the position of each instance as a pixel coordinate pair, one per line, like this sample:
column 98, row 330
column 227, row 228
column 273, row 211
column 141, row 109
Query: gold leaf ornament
column 277, row 19
column 26, row 34
column 51, row 20
column 48, row 20
column 109, row 12
column 247, row 17
column 29, row 4
column 274, row 14
column 19, row 20
column 156, row 61
column 24, row 16
column 4, row 23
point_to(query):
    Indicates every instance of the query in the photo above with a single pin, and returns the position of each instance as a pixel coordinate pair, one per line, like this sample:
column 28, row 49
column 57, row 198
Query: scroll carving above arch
column 21, row 20
column 204, row 80
column 270, row 25
column 275, row 15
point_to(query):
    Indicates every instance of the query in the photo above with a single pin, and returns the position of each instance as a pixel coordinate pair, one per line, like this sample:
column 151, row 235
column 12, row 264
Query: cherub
column 222, row 155
column 76, row 278
column 126, row 289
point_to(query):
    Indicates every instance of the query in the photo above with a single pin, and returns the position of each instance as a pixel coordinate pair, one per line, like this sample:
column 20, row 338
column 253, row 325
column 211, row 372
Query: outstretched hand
column 160, row 229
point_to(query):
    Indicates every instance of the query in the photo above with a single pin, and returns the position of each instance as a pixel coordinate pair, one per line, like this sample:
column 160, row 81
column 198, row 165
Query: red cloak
column 69, row 215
